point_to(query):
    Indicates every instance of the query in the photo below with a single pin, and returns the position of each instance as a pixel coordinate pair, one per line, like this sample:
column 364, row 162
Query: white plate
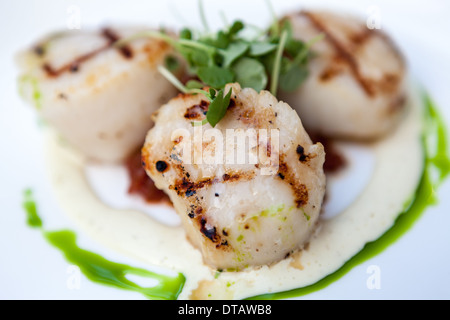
column 415, row 267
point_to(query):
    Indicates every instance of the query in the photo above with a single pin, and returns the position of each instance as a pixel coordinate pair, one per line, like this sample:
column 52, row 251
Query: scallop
column 98, row 97
column 249, row 191
column 356, row 83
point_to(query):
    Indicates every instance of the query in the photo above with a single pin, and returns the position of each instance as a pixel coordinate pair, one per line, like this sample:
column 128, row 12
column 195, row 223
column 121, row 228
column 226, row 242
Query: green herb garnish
column 271, row 60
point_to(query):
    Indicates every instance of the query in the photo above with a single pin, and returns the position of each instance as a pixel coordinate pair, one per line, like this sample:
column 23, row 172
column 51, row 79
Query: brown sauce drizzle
column 140, row 183
column 74, row 65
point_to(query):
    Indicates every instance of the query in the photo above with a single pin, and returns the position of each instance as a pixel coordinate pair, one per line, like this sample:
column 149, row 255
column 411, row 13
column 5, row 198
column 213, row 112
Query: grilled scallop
column 355, row 87
column 99, row 97
column 240, row 207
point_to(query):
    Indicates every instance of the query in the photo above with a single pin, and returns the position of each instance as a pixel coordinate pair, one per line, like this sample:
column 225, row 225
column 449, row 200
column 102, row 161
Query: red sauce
column 140, row 183
column 334, row 160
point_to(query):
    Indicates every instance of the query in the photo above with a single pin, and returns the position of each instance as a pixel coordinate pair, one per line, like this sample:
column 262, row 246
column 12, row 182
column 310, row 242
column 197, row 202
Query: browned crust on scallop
column 251, row 117
column 153, row 50
column 189, row 189
column 346, row 55
column 299, row 190
column 341, row 51
column 145, row 156
column 186, row 187
column 197, row 111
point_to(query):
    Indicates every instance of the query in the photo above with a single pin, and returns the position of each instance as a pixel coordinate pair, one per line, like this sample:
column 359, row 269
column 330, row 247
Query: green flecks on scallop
column 306, row 215
column 36, row 94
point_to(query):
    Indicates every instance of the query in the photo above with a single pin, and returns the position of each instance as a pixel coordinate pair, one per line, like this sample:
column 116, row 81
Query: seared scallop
column 99, row 97
column 356, row 83
column 249, row 191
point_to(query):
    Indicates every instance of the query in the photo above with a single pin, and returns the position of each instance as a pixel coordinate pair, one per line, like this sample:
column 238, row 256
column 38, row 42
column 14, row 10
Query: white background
column 416, row 267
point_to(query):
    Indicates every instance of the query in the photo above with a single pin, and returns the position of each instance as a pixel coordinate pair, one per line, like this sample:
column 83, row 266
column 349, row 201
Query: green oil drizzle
column 436, row 169
column 98, row 269
column 29, row 205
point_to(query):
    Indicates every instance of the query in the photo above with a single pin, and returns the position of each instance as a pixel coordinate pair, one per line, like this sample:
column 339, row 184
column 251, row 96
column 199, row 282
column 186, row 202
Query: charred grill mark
column 232, row 177
column 299, row 190
column 303, row 157
column 196, row 211
column 331, row 71
column 113, row 37
column 189, row 188
column 301, row 195
column 346, row 54
column 342, row 52
column 190, row 193
column 197, row 111
column 127, row 52
column 360, row 38
column 301, row 152
column 74, row 65
column 209, row 231
column 161, row 166
column 232, row 103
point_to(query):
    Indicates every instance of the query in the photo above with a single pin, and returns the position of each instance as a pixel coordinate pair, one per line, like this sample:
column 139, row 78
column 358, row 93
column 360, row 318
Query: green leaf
column 293, row 47
column 235, row 28
column 212, row 93
column 250, row 73
column 261, row 48
column 218, row 107
column 199, row 123
column 229, row 56
column 197, row 57
column 291, row 80
column 286, row 25
column 277, row 63
column 186, row 34
column 171, row 63
column 215, row 76
column 219, row 40
column 233, row 52
column 194, row 84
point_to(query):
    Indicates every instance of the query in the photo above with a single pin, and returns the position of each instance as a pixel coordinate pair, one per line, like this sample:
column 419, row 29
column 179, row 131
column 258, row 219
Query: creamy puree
column 397, row 171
